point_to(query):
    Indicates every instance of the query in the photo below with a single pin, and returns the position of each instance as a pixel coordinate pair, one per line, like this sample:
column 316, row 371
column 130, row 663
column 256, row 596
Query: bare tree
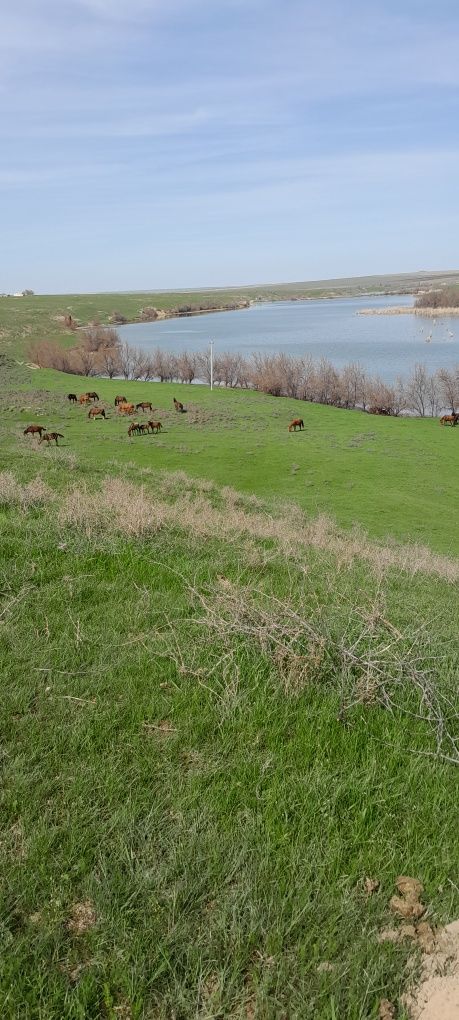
column 418, row 390
column 448, row 381
column 125, row 359
column 353, row 385
column 109, row 361
column 186, row 367
column 87, row 359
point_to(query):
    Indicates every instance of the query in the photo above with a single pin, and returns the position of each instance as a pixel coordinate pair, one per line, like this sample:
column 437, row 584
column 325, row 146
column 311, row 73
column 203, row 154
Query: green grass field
column 221, row 712
column 395, row 477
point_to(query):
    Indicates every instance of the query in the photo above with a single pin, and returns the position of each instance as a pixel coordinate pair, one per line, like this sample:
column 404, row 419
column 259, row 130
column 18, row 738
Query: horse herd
column 124, row 407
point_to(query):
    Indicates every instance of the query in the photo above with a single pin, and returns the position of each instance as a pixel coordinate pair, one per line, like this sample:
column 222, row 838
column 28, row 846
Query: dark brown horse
column 72, row 397
column 178, row 406
column 93, row 395
column 34, row 430
column 297, row 423
column 449, row 419
column 144, row 406
column 120, row 400
column 96, row 412
column 134, row 427
column 48, row 436
column 155, row 426
column 379, row 410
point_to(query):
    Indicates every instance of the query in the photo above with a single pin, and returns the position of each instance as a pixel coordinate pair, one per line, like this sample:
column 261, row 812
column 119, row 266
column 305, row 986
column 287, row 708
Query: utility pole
column 211, row 364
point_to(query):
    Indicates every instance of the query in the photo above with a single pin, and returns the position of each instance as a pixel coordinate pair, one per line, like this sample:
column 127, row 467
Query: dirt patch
column 82, row 918
column 436, row 996
column 408, row 904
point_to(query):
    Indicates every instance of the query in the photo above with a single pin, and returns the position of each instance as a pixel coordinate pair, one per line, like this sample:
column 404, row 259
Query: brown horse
column 449, row 419
column 155, row 426
column 178, row 406
column 83, row 398
column 134, row 427
column 34, row 430
column 379, row 410
column 96, row 412
column 72, row 397
column 120, row 400
column 48, row 436
column 144, row 406
column 126, row 408
column 93, row 395
column 297, row 423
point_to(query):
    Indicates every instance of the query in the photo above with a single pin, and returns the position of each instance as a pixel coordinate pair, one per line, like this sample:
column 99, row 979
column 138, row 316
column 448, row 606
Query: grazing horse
column 120, row 400
column 84, row 398
column 93, row 395
column 155, row 426
column 72, row 397
column 96, row 412
column 34, row 430
column 134, row 427
column 379, row 410
column 178, row 406
column 297, row 423
column 449, row 419
column 126, row 408
column 48, row 436
column 144, row 406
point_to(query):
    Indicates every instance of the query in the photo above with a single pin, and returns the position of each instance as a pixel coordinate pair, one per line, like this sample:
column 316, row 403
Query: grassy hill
column 395, row 477
column 229, row 696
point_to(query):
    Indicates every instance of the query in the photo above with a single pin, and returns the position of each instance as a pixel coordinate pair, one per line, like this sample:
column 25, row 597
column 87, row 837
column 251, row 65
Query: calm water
column 388, row 345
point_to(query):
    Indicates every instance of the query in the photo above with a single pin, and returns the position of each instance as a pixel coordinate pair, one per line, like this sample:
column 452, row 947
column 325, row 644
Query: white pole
column 211, row 364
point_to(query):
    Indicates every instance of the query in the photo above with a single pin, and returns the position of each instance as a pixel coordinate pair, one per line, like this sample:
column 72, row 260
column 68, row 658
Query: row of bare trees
column 101, row 353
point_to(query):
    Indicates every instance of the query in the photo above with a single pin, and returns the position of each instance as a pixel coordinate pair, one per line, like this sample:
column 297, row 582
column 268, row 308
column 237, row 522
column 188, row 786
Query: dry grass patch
column 33, row 493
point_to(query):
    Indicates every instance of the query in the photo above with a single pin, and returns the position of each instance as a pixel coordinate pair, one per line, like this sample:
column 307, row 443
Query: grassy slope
column 395, row 477
column 223, row 857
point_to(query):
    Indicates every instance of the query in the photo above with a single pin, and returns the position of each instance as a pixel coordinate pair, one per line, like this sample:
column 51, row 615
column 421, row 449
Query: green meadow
column 395, row 477
column 229, row 684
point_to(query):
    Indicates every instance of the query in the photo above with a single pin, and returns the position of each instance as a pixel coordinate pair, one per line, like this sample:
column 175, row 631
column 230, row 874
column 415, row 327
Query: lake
column 387, row 345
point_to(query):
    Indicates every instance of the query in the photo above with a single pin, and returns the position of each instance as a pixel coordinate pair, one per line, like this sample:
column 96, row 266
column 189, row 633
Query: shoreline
column 162, row 313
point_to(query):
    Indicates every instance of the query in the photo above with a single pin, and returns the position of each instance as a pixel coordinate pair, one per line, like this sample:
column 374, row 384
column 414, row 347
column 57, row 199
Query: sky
column 149, row 144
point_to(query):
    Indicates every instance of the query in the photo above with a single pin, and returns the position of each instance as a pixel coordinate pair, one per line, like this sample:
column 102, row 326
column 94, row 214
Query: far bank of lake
column 385, row 345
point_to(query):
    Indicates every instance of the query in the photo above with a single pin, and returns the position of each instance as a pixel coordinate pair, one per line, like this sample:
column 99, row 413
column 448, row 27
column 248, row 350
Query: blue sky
column 175, row 143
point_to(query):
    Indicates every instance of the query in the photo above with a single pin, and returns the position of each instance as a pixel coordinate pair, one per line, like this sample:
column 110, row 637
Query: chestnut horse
column 297, row 423
column 120, row 400
column 144, row 406
column 48, row 436
column 34, row 430
column 134, row 427
column 178, row 406
column 84, row 398
column 96, row 412
column 155, row 426
column 449, row 419
column 126, row 408
column 72, row 397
